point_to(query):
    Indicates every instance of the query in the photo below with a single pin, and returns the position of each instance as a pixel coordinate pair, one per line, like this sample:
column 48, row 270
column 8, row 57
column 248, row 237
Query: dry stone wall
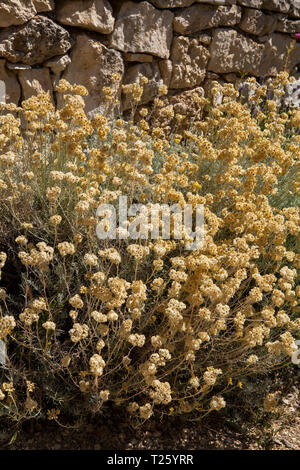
column 183, row 44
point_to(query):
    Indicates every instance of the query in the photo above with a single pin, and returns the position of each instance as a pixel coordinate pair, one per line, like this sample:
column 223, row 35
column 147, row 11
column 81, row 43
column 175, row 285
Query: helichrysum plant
column 146, row 325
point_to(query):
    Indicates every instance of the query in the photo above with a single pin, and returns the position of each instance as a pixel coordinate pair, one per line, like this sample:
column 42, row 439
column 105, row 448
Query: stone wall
column 181, row 43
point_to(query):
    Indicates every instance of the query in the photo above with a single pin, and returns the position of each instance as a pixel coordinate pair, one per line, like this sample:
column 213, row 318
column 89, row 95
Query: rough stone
column 12, row 87
column 141, row 28
column 262, row 39
column 274, row 57
column 205, row 38
column 218, row 2
column 212, row 38
column 33, row 43
column 44, row 5
column 138, row 57
column 172, row 3
column 134, row 73
column 294, row 11
column 234, row 52
column 15, row 12
column 92, row 65
column 231, row 77
column 189, row 60
column 251, row 3
column 212, row 76
column 166, row 67
column 35, row 81
column 58, row 64
column 199, row 17
column 93, row 15
column 277, row 5
column 256, row 22
column 288, row 26
column 17, row 67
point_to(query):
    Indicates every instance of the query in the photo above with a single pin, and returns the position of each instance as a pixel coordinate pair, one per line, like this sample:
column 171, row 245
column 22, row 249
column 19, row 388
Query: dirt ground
column 280, row 431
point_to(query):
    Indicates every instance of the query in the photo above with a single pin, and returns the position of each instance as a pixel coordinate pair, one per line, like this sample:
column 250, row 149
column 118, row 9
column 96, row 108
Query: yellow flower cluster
column 147, row 324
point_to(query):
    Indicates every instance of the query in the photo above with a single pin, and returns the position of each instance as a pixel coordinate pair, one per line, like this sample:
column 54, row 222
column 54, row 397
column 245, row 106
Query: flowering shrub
column 145, row 325
column 285, row 93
